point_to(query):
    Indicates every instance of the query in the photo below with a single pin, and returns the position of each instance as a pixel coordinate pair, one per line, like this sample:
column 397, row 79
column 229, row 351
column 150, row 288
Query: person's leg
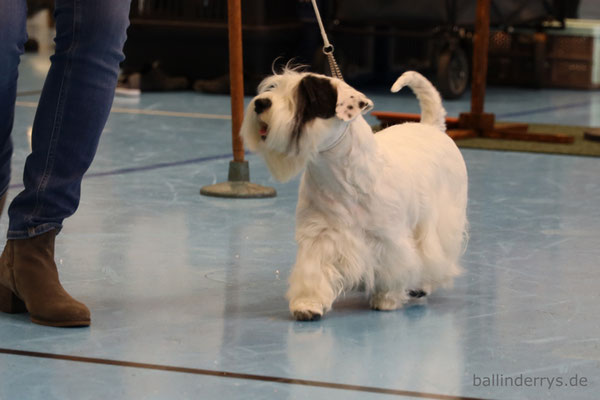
column 72, row 112
column 71, row 115
column 13, row 35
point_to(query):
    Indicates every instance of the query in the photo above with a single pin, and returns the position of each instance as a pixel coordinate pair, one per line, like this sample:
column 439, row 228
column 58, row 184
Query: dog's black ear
column 315, row 98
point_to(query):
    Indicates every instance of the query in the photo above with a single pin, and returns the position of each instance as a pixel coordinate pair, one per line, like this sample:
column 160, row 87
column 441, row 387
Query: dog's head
column 294, row 114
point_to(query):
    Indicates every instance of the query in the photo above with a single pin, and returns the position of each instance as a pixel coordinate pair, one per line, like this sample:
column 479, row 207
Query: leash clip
column 328, row 49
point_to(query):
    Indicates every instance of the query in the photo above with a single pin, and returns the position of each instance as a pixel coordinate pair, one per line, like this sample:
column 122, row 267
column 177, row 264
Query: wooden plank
column 458, row 134
column 592, row 134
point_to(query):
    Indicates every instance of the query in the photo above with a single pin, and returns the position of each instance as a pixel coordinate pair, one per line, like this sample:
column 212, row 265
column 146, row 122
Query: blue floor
column 187, row 292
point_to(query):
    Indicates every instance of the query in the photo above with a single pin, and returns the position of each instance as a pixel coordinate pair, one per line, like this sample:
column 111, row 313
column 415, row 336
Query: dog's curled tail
column 432, row 111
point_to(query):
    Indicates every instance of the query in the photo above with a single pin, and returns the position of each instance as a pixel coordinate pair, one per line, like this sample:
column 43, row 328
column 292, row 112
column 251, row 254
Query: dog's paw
column 306, row 310
column 421, row 292
column 385, row 302
column 417, row 294
column 306, row 315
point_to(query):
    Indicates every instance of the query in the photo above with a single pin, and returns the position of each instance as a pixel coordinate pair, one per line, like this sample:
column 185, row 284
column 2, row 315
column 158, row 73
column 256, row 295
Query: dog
column 385, row 212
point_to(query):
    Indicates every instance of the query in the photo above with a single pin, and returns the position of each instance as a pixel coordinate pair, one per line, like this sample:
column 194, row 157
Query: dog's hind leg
column 396, row 275
column 387, row 300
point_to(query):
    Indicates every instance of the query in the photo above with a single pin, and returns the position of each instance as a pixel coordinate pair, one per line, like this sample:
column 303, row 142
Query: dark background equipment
column 189, row 37
column 377, row 43
column 374, row 41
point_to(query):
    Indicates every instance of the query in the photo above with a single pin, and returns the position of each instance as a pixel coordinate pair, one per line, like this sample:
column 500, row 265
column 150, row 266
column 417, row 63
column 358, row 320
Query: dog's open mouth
column 263, row 129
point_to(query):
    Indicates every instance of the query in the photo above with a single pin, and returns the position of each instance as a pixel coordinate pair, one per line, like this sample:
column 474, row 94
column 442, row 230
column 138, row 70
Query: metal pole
column 236, row 76
column 238, row 184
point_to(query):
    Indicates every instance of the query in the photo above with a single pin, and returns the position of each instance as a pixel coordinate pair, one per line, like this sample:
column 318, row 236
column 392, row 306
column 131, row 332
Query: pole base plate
column 238, row 185
column 238, row 190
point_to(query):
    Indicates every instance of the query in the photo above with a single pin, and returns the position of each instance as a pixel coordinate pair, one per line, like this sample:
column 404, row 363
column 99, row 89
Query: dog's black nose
column 261, row 105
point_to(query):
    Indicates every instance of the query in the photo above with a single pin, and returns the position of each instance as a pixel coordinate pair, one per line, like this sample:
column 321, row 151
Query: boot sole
column 61, row 324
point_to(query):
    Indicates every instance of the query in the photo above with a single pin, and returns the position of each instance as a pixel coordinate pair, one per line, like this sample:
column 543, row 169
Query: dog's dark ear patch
column 315, row 98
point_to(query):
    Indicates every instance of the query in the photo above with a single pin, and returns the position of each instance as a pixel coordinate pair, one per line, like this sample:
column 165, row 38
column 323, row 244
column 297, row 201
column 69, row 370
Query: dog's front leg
column 314, row 282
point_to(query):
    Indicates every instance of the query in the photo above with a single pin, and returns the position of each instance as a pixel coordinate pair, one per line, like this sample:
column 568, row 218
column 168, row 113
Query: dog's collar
column 336, row 140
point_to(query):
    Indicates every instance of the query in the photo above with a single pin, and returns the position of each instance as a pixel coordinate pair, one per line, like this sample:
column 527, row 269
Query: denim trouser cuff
column 34, row 231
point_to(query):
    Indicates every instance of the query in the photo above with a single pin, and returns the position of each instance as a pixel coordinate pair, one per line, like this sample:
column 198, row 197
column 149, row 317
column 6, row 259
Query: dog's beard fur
column 299, row 119
column 386, row 212
column 282, row 163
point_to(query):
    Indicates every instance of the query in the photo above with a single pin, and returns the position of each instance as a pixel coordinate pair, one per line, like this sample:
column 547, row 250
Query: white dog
column 386, row 212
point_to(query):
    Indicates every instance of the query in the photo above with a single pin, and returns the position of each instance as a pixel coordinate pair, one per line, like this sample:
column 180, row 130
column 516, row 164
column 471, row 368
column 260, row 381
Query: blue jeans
column 72, row 111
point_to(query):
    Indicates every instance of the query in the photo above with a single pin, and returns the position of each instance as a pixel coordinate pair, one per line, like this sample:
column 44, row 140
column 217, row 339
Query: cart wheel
column 453, row 73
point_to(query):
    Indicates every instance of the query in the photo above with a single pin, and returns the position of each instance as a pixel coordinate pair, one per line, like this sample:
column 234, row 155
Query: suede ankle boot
column 29, row 282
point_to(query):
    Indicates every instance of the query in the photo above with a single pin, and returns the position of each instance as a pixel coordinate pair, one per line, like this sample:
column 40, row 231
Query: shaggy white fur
column 386, row 212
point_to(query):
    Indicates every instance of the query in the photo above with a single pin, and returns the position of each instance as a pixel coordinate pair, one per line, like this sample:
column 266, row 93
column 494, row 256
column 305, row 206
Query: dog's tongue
column 262, row 129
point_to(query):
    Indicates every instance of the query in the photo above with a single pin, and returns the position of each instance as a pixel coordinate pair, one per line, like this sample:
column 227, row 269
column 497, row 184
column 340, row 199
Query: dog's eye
column 269, row 88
